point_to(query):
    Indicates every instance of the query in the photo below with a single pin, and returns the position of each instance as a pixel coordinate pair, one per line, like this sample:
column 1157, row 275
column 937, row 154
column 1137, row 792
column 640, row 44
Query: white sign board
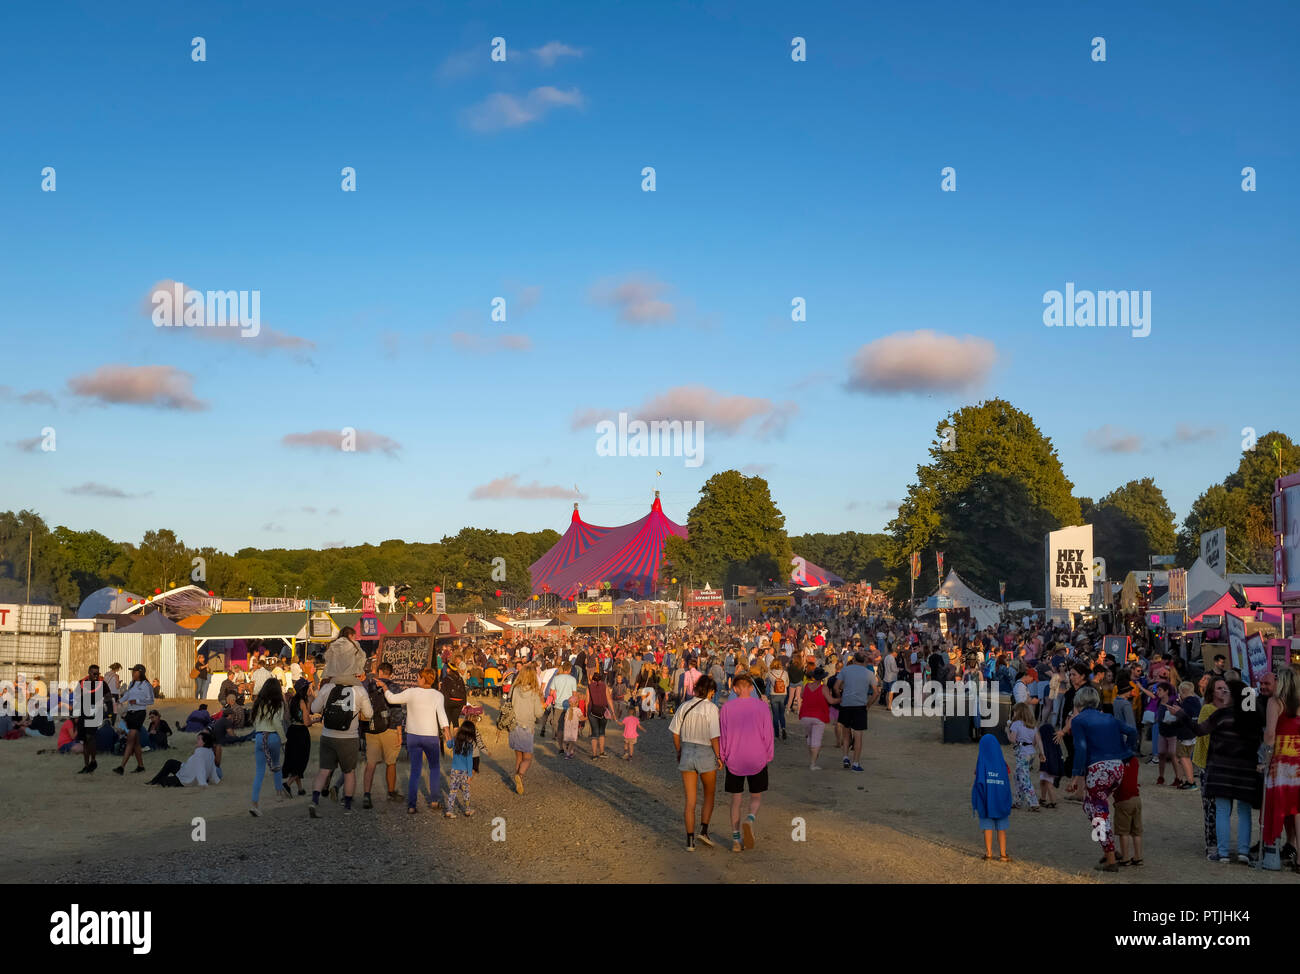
column 1237, row 657
column 1214, row 550
column 1068, row 555
column 8, row 618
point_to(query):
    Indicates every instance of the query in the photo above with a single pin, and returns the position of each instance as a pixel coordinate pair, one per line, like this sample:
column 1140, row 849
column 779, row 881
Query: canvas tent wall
column 983, row 611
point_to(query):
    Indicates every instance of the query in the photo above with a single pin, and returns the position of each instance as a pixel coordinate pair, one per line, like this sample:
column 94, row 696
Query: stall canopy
column 984, row 612
column 627, row 557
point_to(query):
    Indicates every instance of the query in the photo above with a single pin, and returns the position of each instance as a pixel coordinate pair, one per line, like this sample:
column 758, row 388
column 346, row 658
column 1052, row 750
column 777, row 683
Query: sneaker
column 814, row 767
column 313, row 811
column 347, row 810
column 690, row 845
column 704, row 839
column 85, row 769
column 858, row 768
column 254, row 811
column 735, row 843
column 1188, row 786
column 469, row 813
column 137, row 769
column 847, row 763
column 118, row 770
column 366, row 802
column 449, row 814
column 519, row 784
column 393, row 796
column 1160, row 780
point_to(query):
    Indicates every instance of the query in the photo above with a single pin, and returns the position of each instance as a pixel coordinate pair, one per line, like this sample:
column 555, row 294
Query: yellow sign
column 595, row 608
column 766, row 602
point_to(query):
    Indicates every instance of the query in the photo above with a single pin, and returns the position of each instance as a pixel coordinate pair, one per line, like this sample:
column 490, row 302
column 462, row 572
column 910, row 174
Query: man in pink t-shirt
column 747, row 747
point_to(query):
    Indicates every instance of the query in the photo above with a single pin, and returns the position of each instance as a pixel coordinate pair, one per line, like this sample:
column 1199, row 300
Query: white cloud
column 1112, row 439
column 921, row 361
column 503, row 111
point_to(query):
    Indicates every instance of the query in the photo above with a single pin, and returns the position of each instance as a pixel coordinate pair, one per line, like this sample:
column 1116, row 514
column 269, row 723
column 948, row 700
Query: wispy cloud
column 159, row 386
column 504, row 111
column 1185, row 433
column 478, row 59
column 639, row 300
column 1112, row 439
column 34, row 397
column 921, row 361
column 366, row 441
column 490, row 343
column 272, row 528
column 266, row 339
column 721, row 413
column 549, row 53
column 509, row 487
column 92, row 489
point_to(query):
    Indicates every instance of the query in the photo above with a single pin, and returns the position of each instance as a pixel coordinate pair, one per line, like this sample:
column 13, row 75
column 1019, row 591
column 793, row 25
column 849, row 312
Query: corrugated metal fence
column 168, row 657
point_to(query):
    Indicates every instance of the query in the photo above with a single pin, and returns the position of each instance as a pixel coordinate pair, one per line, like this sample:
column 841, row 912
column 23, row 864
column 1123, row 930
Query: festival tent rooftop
column 156, row 624
column 179, row 602
column 815, row 576
column 105, row 601
column 1266, row 595
column 576, row 541
column 627, row 557
column 984, row 611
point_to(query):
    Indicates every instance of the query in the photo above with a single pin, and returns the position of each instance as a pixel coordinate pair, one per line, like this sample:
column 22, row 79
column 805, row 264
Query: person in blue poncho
column 990, row 796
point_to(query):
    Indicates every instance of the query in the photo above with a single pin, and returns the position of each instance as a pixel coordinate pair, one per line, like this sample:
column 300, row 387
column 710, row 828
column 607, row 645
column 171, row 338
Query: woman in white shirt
column 137, row 699
column 696, row 733
column 426, row 718
column 200, row 770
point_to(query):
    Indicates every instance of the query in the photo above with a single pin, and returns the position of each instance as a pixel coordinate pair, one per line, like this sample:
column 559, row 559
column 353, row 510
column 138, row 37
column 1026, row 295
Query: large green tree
column 737, row 535
column 1130, row 524
column 994, row 438
column 1243, row 504
column 992, row 531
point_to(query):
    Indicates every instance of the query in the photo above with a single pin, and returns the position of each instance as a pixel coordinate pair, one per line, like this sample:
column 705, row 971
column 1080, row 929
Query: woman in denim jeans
column 270, row 717
column 1232, row 773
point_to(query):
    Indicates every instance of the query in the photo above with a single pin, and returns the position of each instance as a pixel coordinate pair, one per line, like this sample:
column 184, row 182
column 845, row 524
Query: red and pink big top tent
column 589, row 555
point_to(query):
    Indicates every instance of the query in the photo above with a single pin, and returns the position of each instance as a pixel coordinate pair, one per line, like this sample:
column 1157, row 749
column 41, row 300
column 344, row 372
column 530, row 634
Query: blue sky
column 522, row 179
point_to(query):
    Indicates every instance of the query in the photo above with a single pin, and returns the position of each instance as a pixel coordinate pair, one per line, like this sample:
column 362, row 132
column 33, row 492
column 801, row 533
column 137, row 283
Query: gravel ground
column 907, row 819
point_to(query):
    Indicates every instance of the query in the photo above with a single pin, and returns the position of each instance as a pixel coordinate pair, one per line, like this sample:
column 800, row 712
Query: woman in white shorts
column 696, row 735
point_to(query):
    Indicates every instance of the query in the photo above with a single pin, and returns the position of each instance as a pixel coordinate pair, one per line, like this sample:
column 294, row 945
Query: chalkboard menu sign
column 408, row 653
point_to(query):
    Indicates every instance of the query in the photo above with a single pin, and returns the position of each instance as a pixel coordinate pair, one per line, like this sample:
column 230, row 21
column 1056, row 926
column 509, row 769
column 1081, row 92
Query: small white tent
column 983, row 612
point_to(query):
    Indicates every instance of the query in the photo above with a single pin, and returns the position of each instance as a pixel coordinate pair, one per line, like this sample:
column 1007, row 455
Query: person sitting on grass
column 200, row 770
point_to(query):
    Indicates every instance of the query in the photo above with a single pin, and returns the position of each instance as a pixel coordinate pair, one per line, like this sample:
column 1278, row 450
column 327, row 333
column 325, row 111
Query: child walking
column 574, row 717
column 1128, row 816
column 631, row 727
column 1024, row 740
column 462, row 768
column 1051, row 765
column 990, row 796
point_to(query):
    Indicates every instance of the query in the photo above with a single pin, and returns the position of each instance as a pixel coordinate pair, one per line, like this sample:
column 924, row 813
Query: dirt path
column 907, row 819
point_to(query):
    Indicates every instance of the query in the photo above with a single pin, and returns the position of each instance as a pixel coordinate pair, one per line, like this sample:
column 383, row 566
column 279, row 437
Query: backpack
column 506, row 718
column 338, row 713
column 778, row 685
column 379, row 703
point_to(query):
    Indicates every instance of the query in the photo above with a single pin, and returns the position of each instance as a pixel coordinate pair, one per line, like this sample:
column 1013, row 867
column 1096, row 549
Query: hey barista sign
column 1068, row 555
